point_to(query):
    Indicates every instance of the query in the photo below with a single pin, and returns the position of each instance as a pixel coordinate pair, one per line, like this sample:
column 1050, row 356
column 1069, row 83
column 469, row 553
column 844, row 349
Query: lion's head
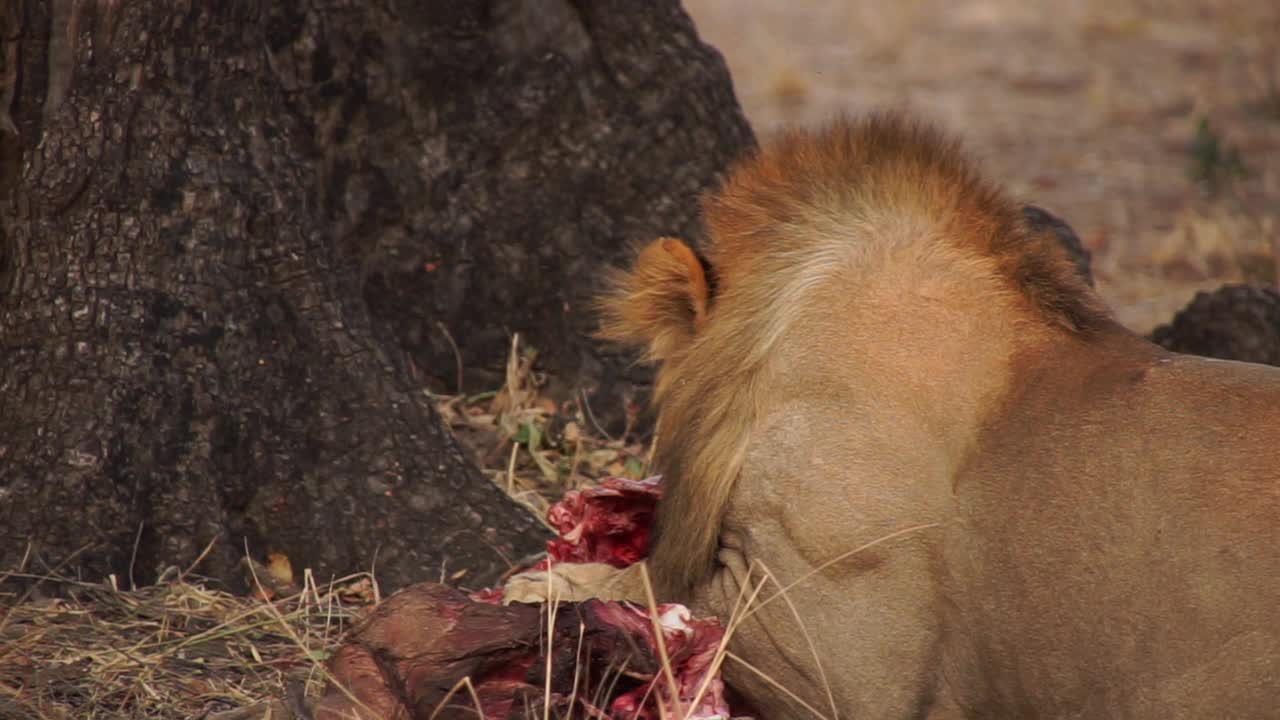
column 811, row 210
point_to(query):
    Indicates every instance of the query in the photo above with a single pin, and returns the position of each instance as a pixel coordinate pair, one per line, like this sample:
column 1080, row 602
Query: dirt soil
column 1152, row 127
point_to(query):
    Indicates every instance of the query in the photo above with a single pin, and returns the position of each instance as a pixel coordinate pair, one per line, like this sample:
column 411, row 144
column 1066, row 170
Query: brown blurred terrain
column 1152, row 127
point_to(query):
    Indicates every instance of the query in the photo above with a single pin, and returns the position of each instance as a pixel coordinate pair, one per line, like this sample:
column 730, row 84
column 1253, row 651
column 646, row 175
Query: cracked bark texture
column 230, row 235
column 550, row 138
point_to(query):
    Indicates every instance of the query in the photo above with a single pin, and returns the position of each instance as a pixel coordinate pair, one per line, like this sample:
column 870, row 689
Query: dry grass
column 172, row 650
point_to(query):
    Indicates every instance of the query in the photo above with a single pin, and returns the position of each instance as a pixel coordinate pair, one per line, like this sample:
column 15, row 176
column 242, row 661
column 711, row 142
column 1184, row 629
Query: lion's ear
column 661, row 303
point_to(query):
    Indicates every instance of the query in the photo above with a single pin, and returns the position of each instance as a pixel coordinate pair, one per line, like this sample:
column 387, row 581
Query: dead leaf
column 280, row 568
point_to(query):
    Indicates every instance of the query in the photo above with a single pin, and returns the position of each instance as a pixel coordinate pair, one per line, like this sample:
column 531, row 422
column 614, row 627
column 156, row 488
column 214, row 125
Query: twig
column 133, row 557
column 457, row 356
column 586, row 405
column 673, row 688
column 199, row 559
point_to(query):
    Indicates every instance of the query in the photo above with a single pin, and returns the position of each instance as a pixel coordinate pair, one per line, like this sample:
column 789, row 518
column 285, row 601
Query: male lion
column 891, row 392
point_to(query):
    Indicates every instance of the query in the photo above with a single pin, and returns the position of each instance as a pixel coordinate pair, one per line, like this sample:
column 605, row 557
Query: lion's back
column 1123, row 507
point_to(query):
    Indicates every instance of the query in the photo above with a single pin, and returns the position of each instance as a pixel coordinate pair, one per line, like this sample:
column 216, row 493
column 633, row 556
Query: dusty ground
column 1090, row 108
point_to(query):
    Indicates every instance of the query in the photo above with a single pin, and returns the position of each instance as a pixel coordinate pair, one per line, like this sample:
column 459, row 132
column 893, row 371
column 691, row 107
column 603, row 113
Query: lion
column 914, row 462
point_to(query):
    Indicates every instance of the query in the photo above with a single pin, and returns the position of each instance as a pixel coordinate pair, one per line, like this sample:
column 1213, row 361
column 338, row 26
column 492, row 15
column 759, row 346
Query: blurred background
column 1153, row 128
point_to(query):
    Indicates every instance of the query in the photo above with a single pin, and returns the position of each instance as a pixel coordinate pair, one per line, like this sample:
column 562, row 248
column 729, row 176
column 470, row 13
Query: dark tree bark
column 548, row 138
column 196, row 199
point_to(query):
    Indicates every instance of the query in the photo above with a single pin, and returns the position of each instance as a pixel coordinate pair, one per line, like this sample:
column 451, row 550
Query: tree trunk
column 550, row 137
column 196, row 199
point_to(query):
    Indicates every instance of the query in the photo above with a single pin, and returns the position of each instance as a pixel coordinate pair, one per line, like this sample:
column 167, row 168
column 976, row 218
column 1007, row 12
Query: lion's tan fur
column 877, row 341
column 787, row 218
